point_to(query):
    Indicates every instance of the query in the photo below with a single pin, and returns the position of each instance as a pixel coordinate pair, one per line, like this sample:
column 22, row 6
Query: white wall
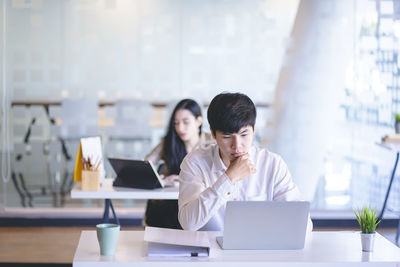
column 150, row 49
column 309, row 121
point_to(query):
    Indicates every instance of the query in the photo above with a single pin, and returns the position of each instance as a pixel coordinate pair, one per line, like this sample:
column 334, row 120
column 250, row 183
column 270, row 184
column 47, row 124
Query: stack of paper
column 163, row 242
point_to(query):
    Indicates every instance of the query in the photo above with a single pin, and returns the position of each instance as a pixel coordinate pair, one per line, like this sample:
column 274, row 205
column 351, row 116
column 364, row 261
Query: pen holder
column 90, row 180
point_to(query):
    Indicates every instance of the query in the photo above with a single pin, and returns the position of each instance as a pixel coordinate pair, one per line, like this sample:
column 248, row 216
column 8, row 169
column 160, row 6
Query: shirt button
column 228, row 193
column 235, row 198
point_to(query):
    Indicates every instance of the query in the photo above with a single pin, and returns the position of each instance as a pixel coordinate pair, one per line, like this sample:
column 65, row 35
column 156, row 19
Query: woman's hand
column 170, row 180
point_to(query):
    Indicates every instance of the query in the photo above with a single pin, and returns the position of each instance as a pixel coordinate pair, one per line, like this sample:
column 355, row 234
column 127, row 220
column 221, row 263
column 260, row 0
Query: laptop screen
column 135, row 173
column 265, row 224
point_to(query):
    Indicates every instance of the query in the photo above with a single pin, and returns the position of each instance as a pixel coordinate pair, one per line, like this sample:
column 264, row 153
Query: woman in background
column 184, row 134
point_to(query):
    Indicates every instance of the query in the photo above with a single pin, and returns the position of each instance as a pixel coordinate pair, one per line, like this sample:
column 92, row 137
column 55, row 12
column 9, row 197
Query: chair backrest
column 132, row 131
column 31, row 161
column 132, row 119
column 79, row 118
column 20, row 123
column 30, row 123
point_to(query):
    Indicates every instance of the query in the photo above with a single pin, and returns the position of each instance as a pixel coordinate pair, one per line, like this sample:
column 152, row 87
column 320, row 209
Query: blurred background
column 324, row 75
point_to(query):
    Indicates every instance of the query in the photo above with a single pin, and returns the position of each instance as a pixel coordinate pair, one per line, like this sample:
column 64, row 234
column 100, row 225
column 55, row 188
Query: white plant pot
column 367, row 242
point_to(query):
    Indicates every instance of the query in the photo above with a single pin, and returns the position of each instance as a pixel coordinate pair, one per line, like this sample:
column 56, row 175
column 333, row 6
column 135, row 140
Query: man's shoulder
column 203, row 155
column 264, row 154
column 202, row 152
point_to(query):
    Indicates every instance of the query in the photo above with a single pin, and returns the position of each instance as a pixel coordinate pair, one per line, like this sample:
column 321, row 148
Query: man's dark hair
column 229, row 112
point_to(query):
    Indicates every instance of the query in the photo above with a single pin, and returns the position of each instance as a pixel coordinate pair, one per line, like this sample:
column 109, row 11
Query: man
column 232, row 169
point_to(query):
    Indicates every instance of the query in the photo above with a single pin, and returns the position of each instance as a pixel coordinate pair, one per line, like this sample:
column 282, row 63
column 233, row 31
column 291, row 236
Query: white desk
column 108, row 192
column 322, row 249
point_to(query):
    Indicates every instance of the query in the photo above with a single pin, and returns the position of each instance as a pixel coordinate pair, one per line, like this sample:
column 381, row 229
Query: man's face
column 233, row 145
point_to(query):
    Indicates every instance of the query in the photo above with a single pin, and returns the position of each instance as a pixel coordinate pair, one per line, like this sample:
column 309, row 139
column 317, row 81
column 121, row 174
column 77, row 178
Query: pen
column 90, row 163
column 84, row 162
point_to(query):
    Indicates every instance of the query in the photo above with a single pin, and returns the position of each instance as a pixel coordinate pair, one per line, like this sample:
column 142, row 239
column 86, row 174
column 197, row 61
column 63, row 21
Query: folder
column 165, row 242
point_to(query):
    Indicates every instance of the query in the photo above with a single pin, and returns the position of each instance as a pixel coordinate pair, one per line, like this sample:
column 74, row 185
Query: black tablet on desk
column 135, row 174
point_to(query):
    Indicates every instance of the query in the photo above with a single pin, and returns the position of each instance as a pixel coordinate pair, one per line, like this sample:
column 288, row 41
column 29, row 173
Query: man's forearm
column 196, row 213
column 198, row 205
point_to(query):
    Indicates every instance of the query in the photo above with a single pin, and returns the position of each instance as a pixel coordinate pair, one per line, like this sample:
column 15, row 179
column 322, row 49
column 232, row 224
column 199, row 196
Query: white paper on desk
column 164, row 242
column 91, row 148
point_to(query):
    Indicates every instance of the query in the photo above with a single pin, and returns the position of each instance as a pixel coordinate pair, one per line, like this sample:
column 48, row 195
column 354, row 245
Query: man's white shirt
column 204, row 187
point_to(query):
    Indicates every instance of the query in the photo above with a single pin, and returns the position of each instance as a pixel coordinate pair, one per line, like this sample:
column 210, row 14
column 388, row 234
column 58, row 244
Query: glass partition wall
column 323, row 74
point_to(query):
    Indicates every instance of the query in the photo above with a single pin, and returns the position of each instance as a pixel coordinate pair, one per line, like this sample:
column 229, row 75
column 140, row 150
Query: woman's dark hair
column 229, row 112
column 174, row 149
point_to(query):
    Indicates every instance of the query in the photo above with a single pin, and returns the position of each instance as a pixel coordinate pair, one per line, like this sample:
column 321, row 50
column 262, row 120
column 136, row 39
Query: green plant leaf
column 397, row 117
column 366, row 218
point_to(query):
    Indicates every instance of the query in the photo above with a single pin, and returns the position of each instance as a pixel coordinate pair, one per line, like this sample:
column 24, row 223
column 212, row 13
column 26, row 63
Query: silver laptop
column 265, row 225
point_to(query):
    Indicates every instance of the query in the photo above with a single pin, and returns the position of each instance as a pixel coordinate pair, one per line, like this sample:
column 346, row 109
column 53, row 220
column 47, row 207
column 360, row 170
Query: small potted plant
column 368, row 223
column 397, row 123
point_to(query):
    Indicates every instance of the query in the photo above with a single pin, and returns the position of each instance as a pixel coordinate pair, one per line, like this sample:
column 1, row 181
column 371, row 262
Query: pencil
column 98, row 165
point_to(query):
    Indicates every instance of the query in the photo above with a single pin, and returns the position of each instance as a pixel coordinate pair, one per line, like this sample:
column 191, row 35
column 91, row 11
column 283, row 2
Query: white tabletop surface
column 395, row 146
column 321, row 249
column 111, row 192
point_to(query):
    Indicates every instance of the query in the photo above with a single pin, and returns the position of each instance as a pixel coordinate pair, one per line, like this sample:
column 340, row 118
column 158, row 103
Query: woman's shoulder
column 206, row 140
column 155, row 155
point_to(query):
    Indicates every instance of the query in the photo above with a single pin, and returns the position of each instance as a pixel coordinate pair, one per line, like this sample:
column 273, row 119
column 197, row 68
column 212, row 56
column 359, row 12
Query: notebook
column 135, row 174
column 265, row 225
column 164, row 242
